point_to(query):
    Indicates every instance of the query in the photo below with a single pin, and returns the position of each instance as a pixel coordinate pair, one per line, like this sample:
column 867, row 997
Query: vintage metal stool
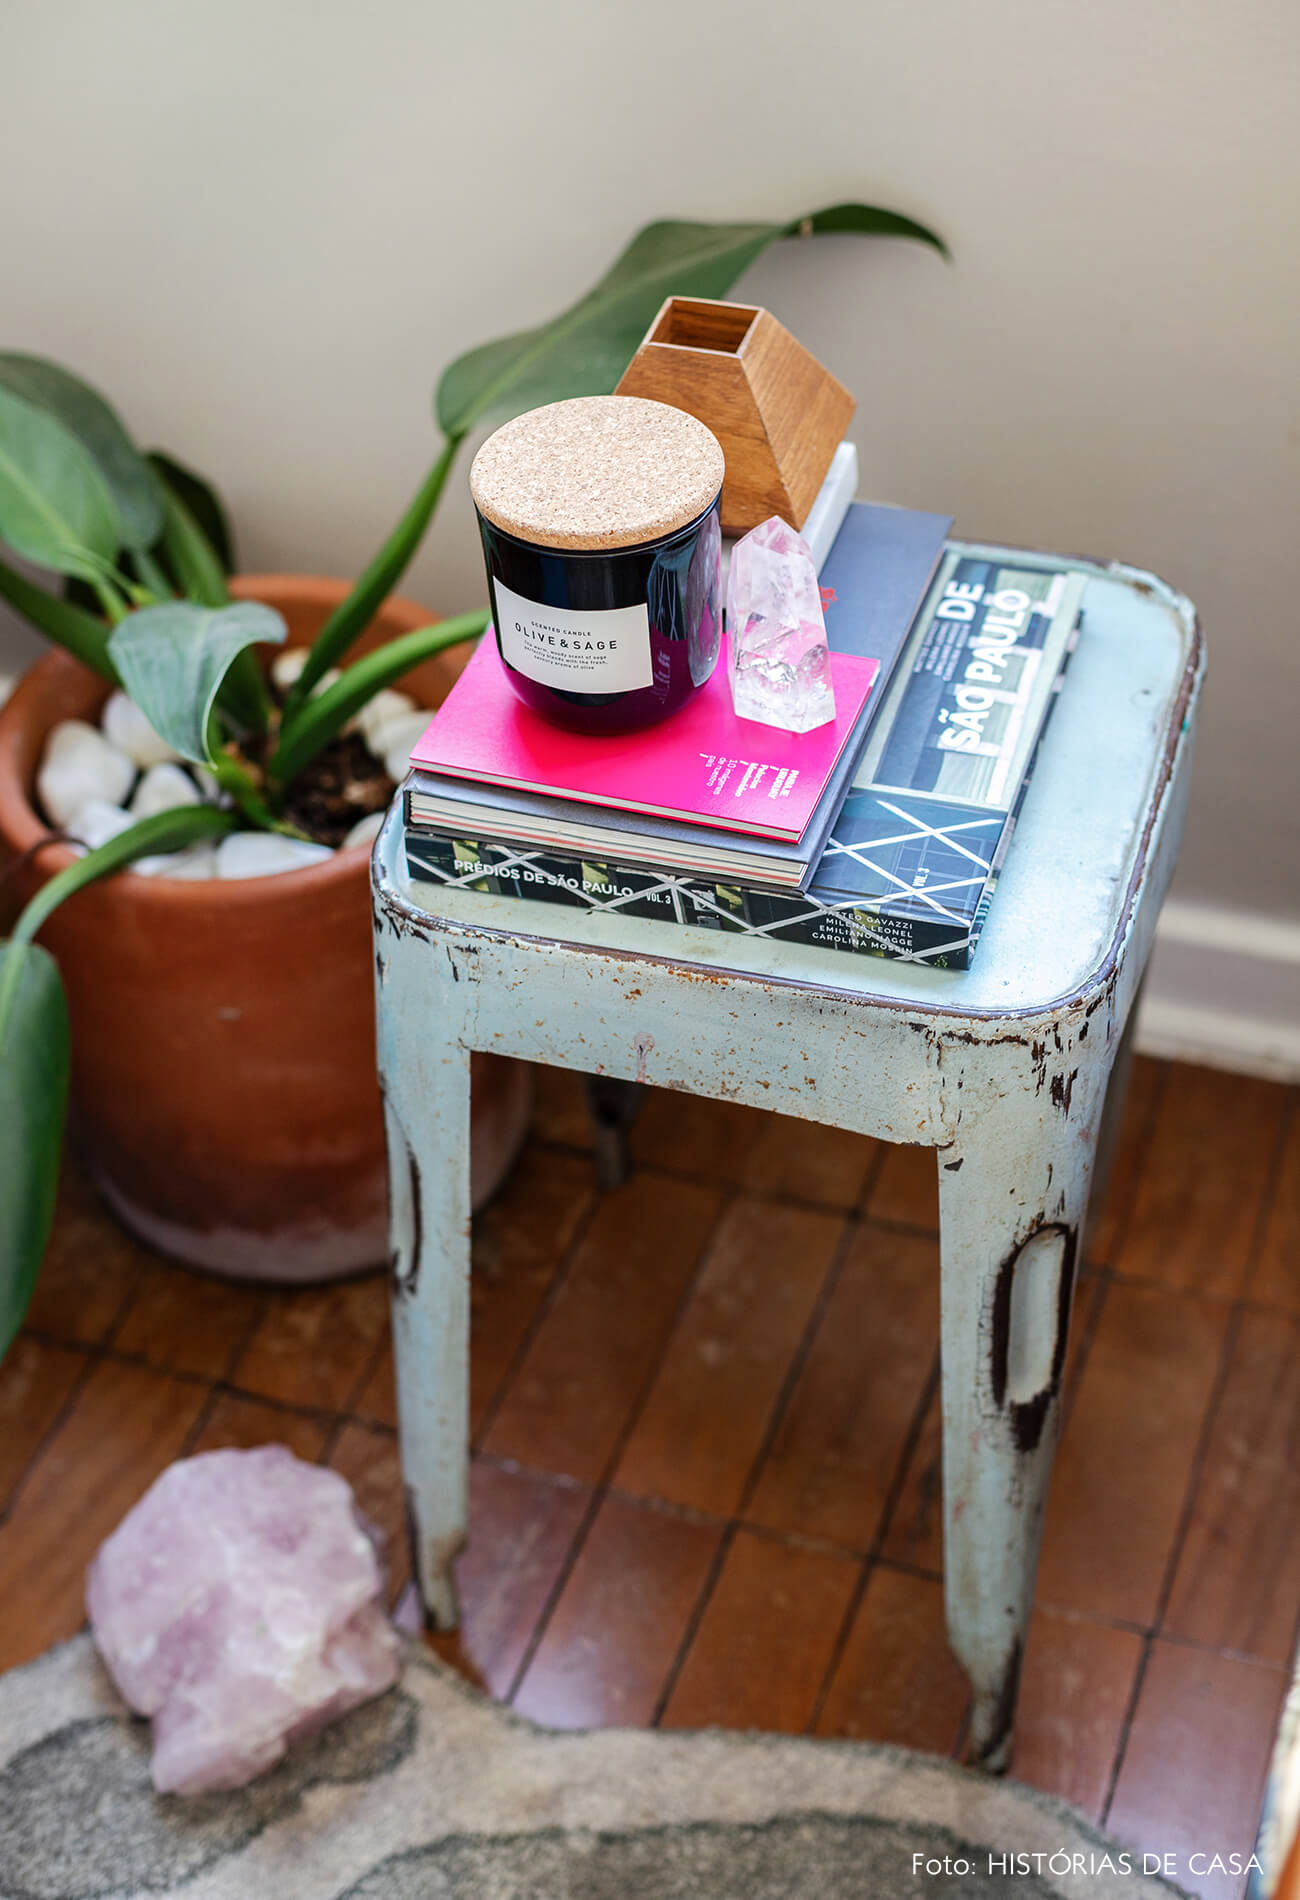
column 1003, row 1069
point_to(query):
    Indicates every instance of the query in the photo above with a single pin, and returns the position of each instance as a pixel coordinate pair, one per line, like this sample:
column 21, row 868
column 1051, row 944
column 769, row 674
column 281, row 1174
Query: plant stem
column 315, row 724
column 353, row 615
column 234, row 778
column 152, row 575
column 110, row 600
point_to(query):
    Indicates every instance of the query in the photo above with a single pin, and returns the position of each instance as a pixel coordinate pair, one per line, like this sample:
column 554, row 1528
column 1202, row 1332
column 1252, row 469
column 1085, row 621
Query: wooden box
column 777, row 413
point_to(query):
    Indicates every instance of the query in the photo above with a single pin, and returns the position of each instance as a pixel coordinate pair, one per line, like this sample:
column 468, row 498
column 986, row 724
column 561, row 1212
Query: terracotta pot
column 223, row 1032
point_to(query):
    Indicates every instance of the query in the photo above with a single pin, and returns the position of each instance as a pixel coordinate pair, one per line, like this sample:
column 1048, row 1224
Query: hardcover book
column 913, row 859
column 703, row 766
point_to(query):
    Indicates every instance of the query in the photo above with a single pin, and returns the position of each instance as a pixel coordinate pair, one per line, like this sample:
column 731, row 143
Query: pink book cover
column 702, row 766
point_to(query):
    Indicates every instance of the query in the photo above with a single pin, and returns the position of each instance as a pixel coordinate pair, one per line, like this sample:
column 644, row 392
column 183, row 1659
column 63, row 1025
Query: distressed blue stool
column 1003, row 1069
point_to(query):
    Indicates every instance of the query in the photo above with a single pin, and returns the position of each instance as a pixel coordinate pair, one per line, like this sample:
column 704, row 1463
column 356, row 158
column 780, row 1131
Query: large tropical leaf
column 189, row 555
column 584, row 351
column 83, row 634
column 33, row 1105
column 172, row 660
column 202, row 502
column 55, row 506
column 82, row 410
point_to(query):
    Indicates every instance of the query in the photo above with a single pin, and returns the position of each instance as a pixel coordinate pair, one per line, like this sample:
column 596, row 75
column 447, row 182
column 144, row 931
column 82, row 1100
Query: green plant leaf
column 584, row 351
column 865, row 221
column 34, row 1050
column 353, row 615
column 172, row 660
column 316, row 723
column 55, row 506
column 97, row 426
column 190, row 556
column 33, row 1107
column 204, row 504
column 83, row 634
column 199, row 571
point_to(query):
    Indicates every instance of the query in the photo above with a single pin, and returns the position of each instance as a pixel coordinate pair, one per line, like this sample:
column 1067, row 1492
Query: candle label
column 578, row 650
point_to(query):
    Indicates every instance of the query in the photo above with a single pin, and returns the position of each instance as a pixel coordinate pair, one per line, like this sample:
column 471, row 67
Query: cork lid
column 597, row 472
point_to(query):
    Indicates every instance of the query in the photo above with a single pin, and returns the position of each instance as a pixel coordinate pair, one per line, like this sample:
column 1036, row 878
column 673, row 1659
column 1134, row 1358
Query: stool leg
column 426, row 1107
column 1013, row 1193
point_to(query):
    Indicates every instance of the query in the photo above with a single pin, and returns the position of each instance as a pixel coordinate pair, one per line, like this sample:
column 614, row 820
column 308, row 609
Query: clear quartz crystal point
column 777, row 657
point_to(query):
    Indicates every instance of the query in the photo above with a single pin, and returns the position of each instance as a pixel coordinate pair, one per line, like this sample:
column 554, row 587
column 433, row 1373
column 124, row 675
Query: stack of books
column 881, row 833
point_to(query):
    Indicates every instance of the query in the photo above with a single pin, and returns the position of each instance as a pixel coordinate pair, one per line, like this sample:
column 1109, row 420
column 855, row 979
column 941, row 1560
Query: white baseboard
column 1224, row 989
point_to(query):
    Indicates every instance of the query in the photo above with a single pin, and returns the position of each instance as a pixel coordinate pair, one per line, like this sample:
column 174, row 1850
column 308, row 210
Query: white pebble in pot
column 79, row 765
column 399, row 737
column 210, row 789
column 163, row 788
column 199, row 860
column 380, row 712
column 127, row 728
column 97, row 822
column 286, row 667
column 263, row 853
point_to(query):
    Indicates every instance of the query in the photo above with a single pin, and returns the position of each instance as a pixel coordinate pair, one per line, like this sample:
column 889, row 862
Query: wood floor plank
column 1192, row 1777
column 897, row 1680
column 519, row 1244
column 560, row 1112
column 1276, row 1276
column 128, row 1423
column 188, row 1322
column 370, row 1463
column 1208, row 1162
column 833, row 1456
column 521, row 1530
column 314, row 1344
column 752, row 1148
column 1238, row 1580
column 243, row 1424
column 766, row 1639
column 35, row 1382
column 1126, row 1458
column 603, row 1335
column 703, row 1423
column 605, row 1655
column 915, row 1533
column 906, row 1188
column 1074, row 1696
column 90, row 1269
column 1107, row 1221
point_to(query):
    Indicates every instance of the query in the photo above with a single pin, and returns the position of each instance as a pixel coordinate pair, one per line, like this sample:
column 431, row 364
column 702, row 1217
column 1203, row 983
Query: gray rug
column 434, row 1793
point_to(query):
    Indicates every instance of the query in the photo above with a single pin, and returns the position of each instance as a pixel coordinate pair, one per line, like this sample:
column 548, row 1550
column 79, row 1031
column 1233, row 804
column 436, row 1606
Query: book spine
column 541, row 877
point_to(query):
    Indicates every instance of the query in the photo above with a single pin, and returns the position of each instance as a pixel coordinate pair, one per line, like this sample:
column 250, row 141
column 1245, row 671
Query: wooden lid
column 597, row 472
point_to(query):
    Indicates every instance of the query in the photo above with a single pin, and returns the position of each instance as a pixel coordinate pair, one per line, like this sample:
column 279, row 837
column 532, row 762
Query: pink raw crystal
column 240, row 1605
column 777, row 657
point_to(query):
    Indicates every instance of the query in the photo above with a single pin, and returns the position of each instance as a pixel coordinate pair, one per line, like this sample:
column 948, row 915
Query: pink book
column 703, row 766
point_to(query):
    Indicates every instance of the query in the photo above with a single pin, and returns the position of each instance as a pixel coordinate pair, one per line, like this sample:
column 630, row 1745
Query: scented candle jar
column 599, row 519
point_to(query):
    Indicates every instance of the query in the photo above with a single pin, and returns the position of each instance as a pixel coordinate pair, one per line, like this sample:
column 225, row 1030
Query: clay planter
column 223, row 1032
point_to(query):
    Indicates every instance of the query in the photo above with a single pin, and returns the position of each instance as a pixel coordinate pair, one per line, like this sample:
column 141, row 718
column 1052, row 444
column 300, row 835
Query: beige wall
column 264, row 227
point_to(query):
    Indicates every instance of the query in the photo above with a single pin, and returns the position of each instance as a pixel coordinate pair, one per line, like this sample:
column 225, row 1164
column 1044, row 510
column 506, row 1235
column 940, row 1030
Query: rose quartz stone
column 240, row 1604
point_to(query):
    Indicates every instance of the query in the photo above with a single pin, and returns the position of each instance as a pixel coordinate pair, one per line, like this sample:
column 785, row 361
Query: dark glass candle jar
column 599, row 520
